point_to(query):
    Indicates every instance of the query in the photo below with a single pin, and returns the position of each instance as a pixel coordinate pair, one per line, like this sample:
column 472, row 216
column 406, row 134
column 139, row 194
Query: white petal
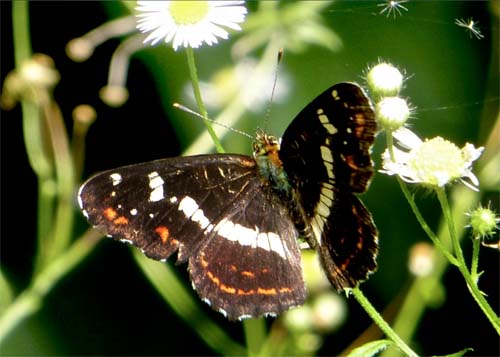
column 471, row 154
column 469, row 185
column 407, row 138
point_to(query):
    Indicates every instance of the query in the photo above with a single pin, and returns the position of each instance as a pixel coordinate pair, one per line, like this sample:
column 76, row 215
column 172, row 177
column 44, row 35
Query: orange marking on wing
column 204, row 263
column 233, row 268
column 164, row 233
column 110, row 213
column 349, row 160
column 361, row 121
column 248, row 274
column 232, row 290
column 228, row 289
column 121, row 220
column 243, row 292
column 213, row 278
column 263, row 291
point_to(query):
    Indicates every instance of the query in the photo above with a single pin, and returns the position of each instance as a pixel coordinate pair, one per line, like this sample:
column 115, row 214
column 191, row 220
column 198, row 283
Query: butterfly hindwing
column 251, row 264
column 349, row 242
column 215, row 212
column 326, row 155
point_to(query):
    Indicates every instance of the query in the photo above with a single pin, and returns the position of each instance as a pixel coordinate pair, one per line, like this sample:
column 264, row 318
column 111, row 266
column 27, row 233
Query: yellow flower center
column 437, row 162
column 188, row 12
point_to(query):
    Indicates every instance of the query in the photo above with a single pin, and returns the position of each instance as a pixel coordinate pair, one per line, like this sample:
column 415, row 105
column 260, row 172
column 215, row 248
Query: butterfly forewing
column 215, row 212
column 326, row 155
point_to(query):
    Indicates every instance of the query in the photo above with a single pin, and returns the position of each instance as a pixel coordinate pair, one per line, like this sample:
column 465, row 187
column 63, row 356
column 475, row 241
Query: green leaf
column 6, row 295
column 370, row 348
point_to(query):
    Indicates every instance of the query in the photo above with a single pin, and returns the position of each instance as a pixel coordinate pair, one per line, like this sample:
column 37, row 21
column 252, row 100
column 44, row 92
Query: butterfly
column 236, row 219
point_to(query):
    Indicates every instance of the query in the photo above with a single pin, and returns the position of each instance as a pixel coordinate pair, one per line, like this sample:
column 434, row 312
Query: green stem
column 33, row 133
column 462, row 266
column 236, row 108
column 20, row 31
column 30, row 300
column 181, row 300
column 476, row 244
column 63, row 164
column 197, row 94
column 381, row 323
column 418, row 215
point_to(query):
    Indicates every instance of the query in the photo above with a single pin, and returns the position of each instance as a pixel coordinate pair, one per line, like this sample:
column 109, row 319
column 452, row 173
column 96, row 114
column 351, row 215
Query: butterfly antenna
column 268, row 111
column 196, row 114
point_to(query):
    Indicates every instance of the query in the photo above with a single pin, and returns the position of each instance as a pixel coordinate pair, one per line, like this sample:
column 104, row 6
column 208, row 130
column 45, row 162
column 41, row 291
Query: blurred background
column 105, row 306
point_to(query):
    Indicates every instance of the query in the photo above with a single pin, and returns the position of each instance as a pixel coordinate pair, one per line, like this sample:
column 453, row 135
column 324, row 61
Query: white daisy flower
column 433, row 162
column 189, row 23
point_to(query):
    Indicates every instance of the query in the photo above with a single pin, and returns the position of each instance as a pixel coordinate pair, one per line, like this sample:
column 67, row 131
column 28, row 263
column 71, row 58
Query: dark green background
column 106, row 307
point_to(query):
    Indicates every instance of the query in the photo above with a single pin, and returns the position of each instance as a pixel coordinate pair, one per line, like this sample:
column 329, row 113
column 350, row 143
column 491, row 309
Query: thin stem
column 181, row 300
column 197, row 94
column 235, row 109
column 381, row 323
column 471, row 283
column 476, row 244
column 443, row 200
column 63, row 164
column 32, row 132
column 418, row 215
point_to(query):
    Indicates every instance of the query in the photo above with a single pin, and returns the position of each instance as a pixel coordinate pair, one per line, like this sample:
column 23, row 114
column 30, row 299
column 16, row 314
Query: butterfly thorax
column 269, row 166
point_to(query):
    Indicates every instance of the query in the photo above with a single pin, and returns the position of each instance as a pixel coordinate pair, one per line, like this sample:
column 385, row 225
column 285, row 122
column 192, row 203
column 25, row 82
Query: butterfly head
column 267, row 146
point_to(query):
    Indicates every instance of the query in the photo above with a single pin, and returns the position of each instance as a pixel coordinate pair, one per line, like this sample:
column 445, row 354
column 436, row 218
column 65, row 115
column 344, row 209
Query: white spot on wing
column 223, row 312
column 326, row 153
column 116, row 179
column 188, row 206
column 244, row 317
column 156, row 185
column 323, row 118
column 173, row 199
column 329, row 169
column 327, row 191
column 133, row 211
column 317, row 224
column 252, row 237
column 322, row 209
column 192, row 211
column 330, row 128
